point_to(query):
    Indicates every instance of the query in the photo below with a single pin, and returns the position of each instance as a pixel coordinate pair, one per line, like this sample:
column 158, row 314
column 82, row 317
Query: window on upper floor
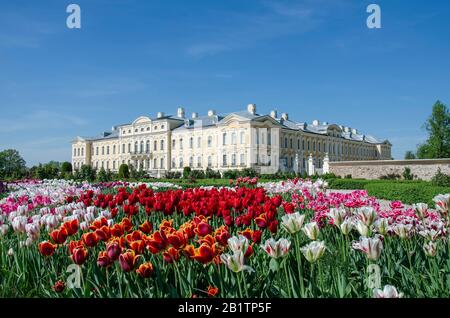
column 209, row 141
column 233, row 138
column 147, row 146
column 162, row 145
column 103, row 150
column 242, row 137
column 224, row 139
column 136, row 145
column 199, row 161
column 173, row 143
column 155, row 145
column 123, row 148
column 107, row 150
column 209, row 161
column 199, row 142
column 181, row 143
column 269, row 138
column 191, row 143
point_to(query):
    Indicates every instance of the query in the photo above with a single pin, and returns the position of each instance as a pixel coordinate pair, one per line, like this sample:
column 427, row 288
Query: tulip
column 430, row 249
column 212, row 291
column 430, row 235
column 59, row 236
column 278, row 248
column 47, row 248
column 362, row 228
column 11, row 252
column 4, row 229
column 145, row 270
column 235, row 262
column 337, row 215
column 441, row 203
column 79, row 255
column 59, row 286
column 367, row 215
column 18, row 223
column 346, row 227
column 381, row 226
column 372, row 247
column 388, row 292
column 293, row 223
column 113, row 250
column 204, row 254
column 404, row 231
column 33, row 230
column 421, row 209
column 313, row 251
column 128, row 260
column 311, row 230
column 146, row 227
column 238, row 244
column 103, row 260
column 90, row 239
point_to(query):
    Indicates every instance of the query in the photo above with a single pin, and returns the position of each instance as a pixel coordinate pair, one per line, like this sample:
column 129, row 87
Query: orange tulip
column 146, row 227
column 204, row 254
column 103, row 260
column 137, row 246
column 171, row 255
column 47, row 248
column 90, row 239
column 145, row 270
column 213, row 291
column 71, row 226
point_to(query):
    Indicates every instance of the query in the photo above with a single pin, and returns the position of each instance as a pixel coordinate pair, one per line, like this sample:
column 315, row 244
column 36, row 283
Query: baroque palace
column 245, row 139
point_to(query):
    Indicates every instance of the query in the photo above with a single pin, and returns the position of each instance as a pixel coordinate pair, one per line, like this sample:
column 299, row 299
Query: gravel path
column 383, row 203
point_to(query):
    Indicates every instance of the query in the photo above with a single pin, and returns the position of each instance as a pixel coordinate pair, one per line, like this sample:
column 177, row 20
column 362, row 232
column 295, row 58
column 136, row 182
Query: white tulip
column 346, row 226
column 311, row 230
column 235, row 262
column 313, row 251
column 372, row 247
column 276, row 249
column 367, row 215
column 389, row 291
column 238, row 244
column 292, row 223
column 362, row 228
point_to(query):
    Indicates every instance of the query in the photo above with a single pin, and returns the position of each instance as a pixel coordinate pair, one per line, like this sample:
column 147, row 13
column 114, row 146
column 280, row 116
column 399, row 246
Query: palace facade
column 245, row 139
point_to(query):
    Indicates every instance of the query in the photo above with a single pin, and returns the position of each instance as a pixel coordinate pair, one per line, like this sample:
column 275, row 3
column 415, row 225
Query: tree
column 438, row 128
column 124, row 172
column 103, row 175
column 12, row 164
column 86, row 173
column 66, row 168
column 410, row 155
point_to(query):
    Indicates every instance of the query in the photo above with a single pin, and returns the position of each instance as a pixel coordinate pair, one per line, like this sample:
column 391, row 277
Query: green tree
column 66, row 168
column 124, row 172
column 12, row 164
column 410, row 155
column 438, row 128
column 86, row 172
column 103, row 175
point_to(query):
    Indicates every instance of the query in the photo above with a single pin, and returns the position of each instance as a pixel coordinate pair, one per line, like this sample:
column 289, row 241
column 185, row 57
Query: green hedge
column 408, row 193
column 347, row 184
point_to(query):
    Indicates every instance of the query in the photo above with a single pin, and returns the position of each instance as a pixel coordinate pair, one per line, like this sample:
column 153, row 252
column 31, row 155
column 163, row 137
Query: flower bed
column 285, row 239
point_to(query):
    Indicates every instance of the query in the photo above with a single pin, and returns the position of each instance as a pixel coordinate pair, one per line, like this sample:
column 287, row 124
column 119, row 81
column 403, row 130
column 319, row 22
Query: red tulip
column 90, row 239
column 128, row 260
column 59, row 236
column 212, row 291
column 146, row 227
column 103, row 260
column 204, row 254
column 79, row 255
column 47, row 248
column 203, row 229
column 113, row 250
column 71, row 226
column 59, row 286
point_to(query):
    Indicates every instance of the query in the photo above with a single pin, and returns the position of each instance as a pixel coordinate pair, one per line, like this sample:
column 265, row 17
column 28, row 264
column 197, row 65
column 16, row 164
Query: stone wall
column 424, row 169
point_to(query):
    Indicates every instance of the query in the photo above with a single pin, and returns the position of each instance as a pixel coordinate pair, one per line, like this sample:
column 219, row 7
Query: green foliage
column 104, row 176
column 408, row 193
column 391, row 176
column 441, row 179
column 438, row 128
column 197, row 174
column 50, row 170
column 347, row 184
column 211, row 174
column 66, row 167
column 230, row 174
column 410, row 155
column 173, row 175
column 186, row 172
column 86, row 173
column 407, row 175
column 12, row 165
column 124, row 172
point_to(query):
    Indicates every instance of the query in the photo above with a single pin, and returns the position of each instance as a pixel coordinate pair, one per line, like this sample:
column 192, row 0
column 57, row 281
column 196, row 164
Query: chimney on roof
column 285, row 116
column 160, row 115
column 211, row 112
column 251, row 108
column 354, row 131
column 273, row 114
column 180, row 112
column 194, row 115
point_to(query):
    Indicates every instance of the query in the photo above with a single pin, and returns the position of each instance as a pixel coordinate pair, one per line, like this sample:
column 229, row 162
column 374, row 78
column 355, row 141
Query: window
column 147, row 146
column 173, row 143
column 308, row 146
column 136, row 147
column 155, row 145
column 181, row 143
column 74, row 152
column 181, row 162
column 162, row 145
column 129, row 148
column 82, row 151
column 191, row 143
column 107, row 150
column 233, row 159
column 199, row 142
column 242, row 137
column 303, row 145
column 123, row 148
column 285, row 142
column 155, row 164
column 114, row 149
column 224, row 139
column 142, row 146
column 224, row 160
column 162, row 126
column 173, row 163
column 142, row 129
column 199, row 161
column 233, row 138
column 107, row 165
column 314, row 146
column 242, row 159
column 161, row 162
column 269, row 138
column 103, row 150
column 290, row 143
column 209, row 141
column 209, row 161
column 319, row 145
column 191, row 161
column 78, row 152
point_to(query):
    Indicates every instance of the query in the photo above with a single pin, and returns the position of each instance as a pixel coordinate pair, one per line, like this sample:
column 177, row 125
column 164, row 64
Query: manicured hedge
column 347, row 184
column 408, row 193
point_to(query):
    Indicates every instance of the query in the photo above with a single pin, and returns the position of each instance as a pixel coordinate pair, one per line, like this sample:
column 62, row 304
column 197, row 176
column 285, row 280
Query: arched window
column 173, row 163
column 242, row 137
column 199, row 161
column 103, row 150
column 285, row 142
column 155, row 145
column 161, row 163
column 233, row 138
column 224, row 139
column 136, row 147
column 209, row 161
column 191, row 143
column 147, row 146
column 142, row 146
column 181, row 143
column 173, row 144
column 162, row 145
column 181, row 162
column 191, row 161
column 114, row 149
column 209, row 141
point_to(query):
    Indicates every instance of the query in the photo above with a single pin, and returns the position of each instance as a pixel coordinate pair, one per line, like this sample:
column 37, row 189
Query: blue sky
column 314, row 59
